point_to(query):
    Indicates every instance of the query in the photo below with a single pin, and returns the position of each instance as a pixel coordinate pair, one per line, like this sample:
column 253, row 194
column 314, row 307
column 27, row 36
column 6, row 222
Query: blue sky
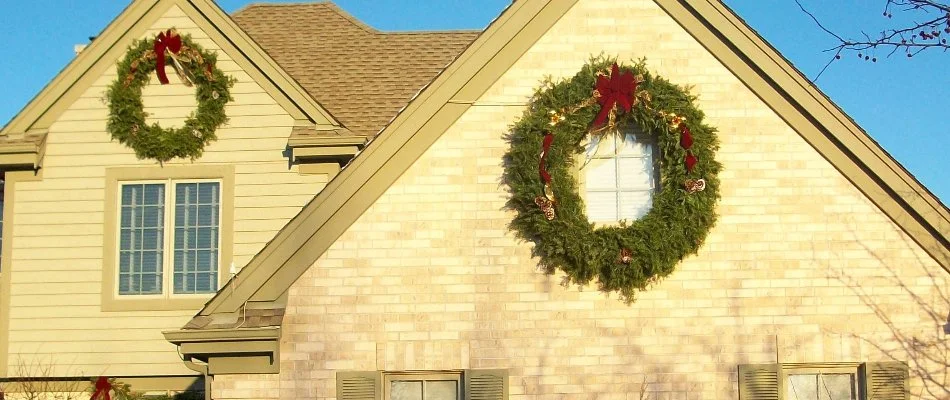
column 900, row 102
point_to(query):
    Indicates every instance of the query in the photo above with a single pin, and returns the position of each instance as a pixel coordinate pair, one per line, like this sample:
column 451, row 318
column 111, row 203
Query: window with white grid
column 141, row 239
column 180, row 218
column 197, row 222
column 620, row 177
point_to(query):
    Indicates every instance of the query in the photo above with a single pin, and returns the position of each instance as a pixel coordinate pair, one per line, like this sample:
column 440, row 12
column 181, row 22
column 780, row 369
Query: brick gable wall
column 430, row 277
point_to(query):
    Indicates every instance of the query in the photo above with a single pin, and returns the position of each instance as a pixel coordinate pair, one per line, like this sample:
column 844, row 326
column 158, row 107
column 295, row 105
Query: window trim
column 111, row 301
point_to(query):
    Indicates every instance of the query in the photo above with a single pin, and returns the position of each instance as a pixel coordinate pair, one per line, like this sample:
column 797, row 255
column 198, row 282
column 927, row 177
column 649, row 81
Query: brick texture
column 801, row 267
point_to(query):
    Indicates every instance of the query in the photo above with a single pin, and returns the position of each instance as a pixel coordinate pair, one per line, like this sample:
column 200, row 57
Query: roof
column 362, row 76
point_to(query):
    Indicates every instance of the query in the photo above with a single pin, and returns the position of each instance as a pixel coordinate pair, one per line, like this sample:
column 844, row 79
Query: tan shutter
column 886, row 381
column 486, row 384
column 759, row 382
column 358, row 385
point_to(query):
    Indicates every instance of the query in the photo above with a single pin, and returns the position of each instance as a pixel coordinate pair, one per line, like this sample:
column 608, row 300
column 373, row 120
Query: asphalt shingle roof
column 359, row 74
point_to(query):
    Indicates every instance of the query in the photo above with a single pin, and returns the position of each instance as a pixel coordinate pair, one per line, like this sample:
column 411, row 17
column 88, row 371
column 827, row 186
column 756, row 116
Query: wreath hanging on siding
column 195, row 66
column 605, row 98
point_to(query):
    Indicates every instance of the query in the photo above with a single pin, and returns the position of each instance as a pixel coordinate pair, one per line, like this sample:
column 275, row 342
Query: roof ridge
column 329, row 4
column 326, row 3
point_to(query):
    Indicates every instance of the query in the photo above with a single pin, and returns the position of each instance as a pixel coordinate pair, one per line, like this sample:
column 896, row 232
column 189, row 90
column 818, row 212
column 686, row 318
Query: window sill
column 132, row 304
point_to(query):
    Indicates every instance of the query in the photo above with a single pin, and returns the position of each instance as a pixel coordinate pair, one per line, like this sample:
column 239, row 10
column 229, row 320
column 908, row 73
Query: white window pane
column 802, row 387
column 441, row 390
column 636, row 173
column 406, row 390
column 634, row 205
column 836, row 387
column 601, row 206
column 635, row 146
column 600, row 174
column 600, row 146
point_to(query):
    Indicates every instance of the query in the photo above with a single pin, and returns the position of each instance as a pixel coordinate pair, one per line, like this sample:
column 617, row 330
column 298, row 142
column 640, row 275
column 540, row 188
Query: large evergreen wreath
column 195, row 66
column 604, row 99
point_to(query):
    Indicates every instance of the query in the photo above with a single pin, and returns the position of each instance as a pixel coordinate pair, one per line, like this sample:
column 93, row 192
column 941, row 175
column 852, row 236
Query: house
column 370, row 226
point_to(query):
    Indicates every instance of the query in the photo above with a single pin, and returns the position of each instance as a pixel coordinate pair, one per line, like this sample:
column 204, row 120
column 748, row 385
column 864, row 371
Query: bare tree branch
column 929, row 32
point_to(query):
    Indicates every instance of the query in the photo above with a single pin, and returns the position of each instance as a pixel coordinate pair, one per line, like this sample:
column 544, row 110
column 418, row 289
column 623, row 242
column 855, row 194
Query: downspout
column 203, row 370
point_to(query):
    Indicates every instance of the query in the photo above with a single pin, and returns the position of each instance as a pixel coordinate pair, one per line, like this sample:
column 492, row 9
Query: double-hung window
column 168, row 238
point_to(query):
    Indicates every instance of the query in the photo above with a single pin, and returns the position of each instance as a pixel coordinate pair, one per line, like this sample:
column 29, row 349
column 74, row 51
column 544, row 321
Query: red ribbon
column 691, row 161
column 542, row 166
column 686, row 142
column 618, row 89
column 102, row 389
column 170, row 41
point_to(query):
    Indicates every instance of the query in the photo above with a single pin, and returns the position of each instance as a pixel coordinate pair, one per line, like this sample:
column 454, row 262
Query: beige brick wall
column 431, row 278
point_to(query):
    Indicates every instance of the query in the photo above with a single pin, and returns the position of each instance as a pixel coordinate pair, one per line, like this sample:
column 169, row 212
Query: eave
column 230, row 351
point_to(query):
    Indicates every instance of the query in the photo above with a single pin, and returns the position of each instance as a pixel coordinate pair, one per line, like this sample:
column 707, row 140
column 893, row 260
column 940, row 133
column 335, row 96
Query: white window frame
column 581, row 174
column 788, row 370
column 168, row 250
column 389, row 377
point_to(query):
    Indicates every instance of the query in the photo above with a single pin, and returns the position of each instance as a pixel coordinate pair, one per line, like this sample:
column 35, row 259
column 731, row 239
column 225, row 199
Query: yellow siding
column 431, row 278
column 57, row 240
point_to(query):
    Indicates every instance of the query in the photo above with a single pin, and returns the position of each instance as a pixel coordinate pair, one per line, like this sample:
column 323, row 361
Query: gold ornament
column 547, row 207
column 695, row 185
column 548, row 192
column 626, row 256
column 555, row 117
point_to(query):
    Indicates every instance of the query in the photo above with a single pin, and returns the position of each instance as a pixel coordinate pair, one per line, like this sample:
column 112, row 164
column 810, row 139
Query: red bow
column 170, row 41
column 619, row 88
column 102, row 389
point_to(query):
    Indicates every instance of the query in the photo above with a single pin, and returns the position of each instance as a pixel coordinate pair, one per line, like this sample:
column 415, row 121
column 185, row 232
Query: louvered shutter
column 486, row 384
column 759, row 382
column 358, row 385
column 886, row 381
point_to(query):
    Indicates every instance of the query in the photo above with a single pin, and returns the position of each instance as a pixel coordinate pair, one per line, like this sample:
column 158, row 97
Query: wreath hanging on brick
column 195, row 66
column 605, row 98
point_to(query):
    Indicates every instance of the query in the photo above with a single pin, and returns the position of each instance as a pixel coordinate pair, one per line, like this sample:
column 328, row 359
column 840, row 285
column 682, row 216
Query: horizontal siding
column 58, row 233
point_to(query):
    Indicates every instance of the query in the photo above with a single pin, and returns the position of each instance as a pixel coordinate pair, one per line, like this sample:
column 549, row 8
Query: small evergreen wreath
column 550, row 211
column 195, row 66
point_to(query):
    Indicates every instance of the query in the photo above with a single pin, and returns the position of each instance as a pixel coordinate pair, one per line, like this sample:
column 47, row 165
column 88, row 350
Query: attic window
column 619, row 177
